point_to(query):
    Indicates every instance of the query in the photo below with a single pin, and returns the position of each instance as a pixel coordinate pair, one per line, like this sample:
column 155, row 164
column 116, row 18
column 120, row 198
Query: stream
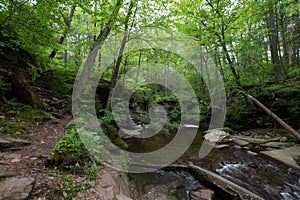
column 257, row 173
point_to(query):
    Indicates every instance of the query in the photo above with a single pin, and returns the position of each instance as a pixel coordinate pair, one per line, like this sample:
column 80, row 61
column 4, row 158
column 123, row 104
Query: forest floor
column 27, row 155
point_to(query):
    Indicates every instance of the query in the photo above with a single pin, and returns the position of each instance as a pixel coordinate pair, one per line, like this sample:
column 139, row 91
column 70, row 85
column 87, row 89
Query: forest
column 136, row 99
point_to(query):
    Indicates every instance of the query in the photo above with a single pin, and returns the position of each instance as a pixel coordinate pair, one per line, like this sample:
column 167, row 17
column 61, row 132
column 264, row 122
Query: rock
column 237, row 147
column 253, row 165
column 109, row 185
column 128, row 134
column 239, row 141
column 252, row 153
column 215, row 135
column 297, row 159
column 252, row 140
column 7, row 174
column 275, row 139
column 16, row 188
column 202, row 194
column 277, row 145
column 267, row 137
column 285, row 156
column 221, row 146
column 7, row 143
column 283, row 139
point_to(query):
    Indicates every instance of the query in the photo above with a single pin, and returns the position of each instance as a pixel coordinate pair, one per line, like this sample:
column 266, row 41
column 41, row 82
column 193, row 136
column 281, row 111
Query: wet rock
column 252, row 153
column 202, row 194
column 283, row 139
column 237, row 147
column 297, row 159
column 285, row 156
column 221, row 146
column 16, row 188
column 253, row 165
column 7, row 143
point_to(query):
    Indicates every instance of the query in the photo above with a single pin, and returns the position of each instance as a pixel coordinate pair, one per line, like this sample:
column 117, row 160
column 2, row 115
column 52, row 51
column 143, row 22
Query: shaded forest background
column 253, row 44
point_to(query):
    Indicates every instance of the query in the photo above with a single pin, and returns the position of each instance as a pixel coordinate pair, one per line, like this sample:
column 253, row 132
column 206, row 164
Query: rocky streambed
column 262, row 161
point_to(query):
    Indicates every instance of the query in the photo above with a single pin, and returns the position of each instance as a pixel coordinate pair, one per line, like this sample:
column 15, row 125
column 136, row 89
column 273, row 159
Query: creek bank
column 281, row 98
column 277, row 146
column 236, row 157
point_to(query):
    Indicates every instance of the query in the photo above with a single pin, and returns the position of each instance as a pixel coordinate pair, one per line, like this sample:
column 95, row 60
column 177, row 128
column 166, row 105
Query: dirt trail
column 30, row 160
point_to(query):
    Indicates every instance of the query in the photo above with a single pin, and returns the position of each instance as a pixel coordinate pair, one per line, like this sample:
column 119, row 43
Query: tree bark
column 23, row 90
column 273, row 42
column 120, row 56
column 275, row 117
column 221, row 184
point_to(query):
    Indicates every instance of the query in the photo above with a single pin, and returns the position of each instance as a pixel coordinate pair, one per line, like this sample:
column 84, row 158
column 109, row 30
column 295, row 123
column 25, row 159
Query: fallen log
column 275, row 117
column 221, row 184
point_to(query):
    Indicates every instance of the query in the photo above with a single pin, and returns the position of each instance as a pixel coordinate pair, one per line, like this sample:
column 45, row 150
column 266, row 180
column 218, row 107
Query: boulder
column 109, row 185
column 128, row 134
column 216, row 135
column 16, row 188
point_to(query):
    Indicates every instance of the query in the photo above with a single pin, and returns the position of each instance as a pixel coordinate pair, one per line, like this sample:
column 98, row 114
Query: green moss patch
column 32, row 114
column 9, row 126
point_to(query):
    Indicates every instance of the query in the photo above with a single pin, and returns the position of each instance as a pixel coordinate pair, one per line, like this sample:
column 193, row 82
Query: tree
column 121, row 51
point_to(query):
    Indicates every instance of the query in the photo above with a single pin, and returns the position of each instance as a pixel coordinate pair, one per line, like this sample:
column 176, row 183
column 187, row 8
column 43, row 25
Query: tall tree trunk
column 68, row 25
column 296, row 39
column 285, row 56
column 120, row 56
column 93, row 53
column 139, row 67
column 273, row 42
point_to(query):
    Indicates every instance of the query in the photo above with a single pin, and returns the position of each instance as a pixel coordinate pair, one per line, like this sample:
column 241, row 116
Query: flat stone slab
column 16, row 188
column 239, row 141
column 285, row 156
column 252, row 140
column 277, row 145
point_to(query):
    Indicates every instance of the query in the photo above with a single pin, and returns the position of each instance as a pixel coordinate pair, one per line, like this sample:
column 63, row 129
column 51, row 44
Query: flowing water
column 257, row 173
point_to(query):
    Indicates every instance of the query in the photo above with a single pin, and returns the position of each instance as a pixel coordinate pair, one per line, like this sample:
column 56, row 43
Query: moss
column 32, row 114
column 172, row 197
column 9, row 126
column 112, row 133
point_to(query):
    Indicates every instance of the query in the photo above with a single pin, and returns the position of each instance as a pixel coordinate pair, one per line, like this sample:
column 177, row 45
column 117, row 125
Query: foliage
column 110, row 128
column 70, row 149
column 9, row 126
column 62, row 82
column 34, row 115
column 68, row 189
